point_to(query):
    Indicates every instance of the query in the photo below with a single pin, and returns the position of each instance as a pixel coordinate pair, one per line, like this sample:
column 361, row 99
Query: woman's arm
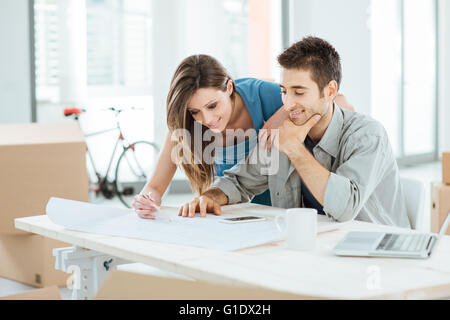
column 164, row 171
column 150, row 196
column 342, row 102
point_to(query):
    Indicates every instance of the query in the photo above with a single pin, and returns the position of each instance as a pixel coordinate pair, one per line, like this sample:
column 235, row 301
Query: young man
column 336, row 161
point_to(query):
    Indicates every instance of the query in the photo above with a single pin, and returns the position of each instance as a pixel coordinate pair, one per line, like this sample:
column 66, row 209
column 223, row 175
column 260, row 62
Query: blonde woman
column 204, row 96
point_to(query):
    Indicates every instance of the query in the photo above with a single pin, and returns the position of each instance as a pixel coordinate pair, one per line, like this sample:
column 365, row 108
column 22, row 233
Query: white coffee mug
column 301, row 228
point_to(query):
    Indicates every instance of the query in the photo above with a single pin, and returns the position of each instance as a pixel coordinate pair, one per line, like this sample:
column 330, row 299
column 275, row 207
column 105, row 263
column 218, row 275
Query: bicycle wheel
column 134, row 167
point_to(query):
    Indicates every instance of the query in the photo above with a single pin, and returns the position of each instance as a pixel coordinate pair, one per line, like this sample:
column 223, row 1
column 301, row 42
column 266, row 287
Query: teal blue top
column 262, row 99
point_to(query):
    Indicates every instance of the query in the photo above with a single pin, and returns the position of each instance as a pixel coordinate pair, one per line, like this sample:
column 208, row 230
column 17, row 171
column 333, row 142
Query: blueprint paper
column 199, row 232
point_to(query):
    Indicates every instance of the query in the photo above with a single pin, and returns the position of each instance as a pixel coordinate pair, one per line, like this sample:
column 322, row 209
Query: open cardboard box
column 37, row 161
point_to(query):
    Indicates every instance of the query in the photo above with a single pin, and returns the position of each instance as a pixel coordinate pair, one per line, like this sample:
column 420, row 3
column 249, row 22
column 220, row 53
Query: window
column 387, row 67
column 46, row 49
column 95, row 54
column 118, row 45
column 419, row 76
column 404, row 94
column 244, row 35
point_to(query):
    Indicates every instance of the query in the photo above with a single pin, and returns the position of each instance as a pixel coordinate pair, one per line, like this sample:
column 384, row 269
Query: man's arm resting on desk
column 239, row 184
column 247, row 179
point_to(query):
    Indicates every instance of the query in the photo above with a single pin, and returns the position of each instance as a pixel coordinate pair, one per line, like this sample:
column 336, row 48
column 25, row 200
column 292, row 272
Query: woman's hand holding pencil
column 146, row 204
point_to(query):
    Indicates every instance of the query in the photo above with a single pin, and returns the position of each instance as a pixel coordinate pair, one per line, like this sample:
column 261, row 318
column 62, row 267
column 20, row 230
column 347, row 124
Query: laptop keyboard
column 404, row 242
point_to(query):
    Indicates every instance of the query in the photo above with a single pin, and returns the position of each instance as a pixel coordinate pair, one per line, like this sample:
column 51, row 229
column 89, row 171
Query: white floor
column 425, row 173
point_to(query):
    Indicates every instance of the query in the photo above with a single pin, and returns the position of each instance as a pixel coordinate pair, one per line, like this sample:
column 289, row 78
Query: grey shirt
column 364, row 181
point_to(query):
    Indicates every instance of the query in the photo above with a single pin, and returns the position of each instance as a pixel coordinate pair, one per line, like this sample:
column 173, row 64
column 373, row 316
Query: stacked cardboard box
column 446, row 168
column 37, row 161
column 440, row 196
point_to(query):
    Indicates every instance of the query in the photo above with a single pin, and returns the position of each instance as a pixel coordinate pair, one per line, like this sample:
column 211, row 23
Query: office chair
column 414, row 194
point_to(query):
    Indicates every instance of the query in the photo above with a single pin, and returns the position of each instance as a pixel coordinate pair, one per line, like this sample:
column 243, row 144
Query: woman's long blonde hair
column 193, row 73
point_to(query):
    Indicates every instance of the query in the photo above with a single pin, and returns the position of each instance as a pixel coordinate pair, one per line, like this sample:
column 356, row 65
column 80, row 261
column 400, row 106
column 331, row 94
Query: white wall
column 444, row 75
column 72, row 52
column 165, row 48
column 209, row 42
column 177, row 33
column 344, row 25
column 16, row 96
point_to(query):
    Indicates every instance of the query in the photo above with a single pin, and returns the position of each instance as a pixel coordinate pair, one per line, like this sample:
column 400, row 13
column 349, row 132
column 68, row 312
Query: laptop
column 395, row 245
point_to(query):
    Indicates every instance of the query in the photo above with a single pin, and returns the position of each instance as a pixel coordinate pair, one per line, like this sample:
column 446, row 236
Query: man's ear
column 331, row 90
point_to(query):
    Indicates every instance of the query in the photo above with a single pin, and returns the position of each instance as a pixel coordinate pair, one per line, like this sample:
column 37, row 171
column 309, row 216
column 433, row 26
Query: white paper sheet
column 200, row 232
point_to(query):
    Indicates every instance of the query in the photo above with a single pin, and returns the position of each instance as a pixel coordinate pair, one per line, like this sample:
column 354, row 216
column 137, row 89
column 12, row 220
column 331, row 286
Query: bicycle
column 133, row 166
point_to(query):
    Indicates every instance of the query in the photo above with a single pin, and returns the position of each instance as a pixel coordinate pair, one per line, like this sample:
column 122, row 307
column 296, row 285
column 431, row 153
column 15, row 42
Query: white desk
column 316, row 274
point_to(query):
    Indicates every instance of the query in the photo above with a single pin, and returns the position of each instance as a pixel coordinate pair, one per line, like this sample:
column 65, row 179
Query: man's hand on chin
column 291, row 137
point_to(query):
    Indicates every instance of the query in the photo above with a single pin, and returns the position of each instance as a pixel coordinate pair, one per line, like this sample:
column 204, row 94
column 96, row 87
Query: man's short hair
column 316, row 56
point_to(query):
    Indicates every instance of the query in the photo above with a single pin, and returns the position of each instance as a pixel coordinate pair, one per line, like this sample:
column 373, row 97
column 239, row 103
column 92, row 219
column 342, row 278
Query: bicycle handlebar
column 68, row 112
column 120, row 110
column 71, row 111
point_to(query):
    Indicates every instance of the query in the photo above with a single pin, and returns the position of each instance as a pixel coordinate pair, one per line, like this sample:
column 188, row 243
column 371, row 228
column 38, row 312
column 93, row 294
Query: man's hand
column 290, row 136
column 202, row 204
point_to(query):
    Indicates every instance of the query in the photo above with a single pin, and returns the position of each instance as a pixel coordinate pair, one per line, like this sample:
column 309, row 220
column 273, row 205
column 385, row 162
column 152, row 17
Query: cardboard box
column 440, row 205
column 50, row 293
column 123, row 285
column 446, row 168
column 29, row 259
column 39, row 161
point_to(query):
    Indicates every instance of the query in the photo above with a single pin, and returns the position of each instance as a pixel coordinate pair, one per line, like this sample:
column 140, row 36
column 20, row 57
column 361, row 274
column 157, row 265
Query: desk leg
column 89, row 269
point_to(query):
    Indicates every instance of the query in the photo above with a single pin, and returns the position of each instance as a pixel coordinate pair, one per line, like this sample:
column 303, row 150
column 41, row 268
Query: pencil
column 158, row 208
